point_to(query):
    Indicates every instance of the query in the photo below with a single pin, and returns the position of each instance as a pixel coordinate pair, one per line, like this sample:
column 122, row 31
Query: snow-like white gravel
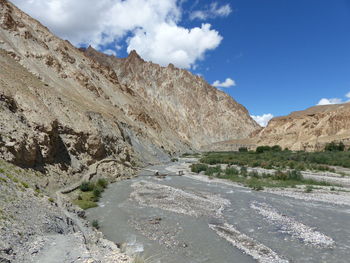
column 292, row 227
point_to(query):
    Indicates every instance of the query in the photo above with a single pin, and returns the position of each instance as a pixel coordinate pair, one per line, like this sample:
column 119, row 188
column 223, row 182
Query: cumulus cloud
column 170, row 43
column 262, row 120
column 152, row 27
column 226, row 84
column 325, row 101
column 213, row 11
column 348, row 95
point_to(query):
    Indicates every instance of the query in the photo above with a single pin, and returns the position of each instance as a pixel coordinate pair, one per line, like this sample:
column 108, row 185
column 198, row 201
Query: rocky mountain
column 62, row 105
column 198, row 112
column 309, row 129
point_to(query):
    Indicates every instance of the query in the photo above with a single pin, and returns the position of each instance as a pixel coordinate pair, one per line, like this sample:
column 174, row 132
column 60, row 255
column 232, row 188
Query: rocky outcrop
column 35, row 228
column 310, row 129
column 198, row 112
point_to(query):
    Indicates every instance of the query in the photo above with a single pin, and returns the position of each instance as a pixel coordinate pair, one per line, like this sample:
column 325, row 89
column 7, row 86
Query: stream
column 181, row 219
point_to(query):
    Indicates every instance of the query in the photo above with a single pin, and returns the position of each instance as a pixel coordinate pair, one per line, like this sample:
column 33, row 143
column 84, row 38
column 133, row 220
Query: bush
column 211, row 170
column 295, row 175
column 276, row 148
column 102, row 182
column 95, row 224
column 198, row 167
column 231, row 171
column 25, row 185
column 334, row 147
column 244, row 171
column 243, row 149
column 86, row 186
column 97, row 193
column 262, row 149
column 174, row 160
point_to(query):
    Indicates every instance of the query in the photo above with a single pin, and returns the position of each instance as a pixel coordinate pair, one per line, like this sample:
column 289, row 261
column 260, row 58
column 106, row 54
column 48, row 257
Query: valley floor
column 196, row 218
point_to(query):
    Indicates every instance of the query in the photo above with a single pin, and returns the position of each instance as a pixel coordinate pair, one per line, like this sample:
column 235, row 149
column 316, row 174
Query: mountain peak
column 134, row 55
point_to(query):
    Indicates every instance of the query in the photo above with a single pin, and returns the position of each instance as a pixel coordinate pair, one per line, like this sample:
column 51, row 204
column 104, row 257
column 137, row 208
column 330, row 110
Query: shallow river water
column 185, row 220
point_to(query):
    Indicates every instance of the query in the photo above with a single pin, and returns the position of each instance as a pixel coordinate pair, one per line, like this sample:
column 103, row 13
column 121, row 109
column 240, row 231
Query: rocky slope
column 66, row 106
column 198, row 112
column 310, row 129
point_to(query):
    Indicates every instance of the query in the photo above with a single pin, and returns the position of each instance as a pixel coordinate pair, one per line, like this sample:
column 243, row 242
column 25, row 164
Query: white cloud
column 170, row 43
column 106, row 22
column 213, row 11
column 325, row 101
column 226, row 84
column 262, row 120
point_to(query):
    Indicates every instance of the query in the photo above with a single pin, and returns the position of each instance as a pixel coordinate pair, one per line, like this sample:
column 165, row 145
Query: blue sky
column 282, row 55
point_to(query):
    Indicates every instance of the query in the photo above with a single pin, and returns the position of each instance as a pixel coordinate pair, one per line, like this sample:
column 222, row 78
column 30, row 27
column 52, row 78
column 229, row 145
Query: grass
column 257, row 181
column 190, row 155
column 90, row 193
column 319, row 161
column 24, row 184
column 86, row 200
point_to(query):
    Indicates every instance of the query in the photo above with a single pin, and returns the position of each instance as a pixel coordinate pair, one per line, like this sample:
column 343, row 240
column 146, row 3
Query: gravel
column 292, row 227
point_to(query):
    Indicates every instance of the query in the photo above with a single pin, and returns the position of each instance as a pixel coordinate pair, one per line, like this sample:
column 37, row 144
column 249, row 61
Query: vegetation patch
column 95, row 224
column 90, row 193
column 274, row 158
column 190, row 155
column 255, row 180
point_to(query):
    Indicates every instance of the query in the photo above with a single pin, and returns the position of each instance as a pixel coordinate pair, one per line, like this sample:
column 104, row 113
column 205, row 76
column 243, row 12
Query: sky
column 272, row 56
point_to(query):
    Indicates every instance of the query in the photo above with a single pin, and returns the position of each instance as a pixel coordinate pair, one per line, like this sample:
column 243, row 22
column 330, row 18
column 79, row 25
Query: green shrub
column 231, row 171
column 97, row 193
column 174, row 160
column 95, row 224
column 262, row 149
column 102, row 182
column 211, row 170
column 198, row 167
column 243, row 149
column 244, row 171
column 24, row 184
column 86, row 186
column 333, row 146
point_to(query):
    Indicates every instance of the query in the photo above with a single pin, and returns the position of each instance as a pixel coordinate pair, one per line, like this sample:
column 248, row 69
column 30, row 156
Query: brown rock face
column 60, row 104
column 310, row 129
column 198, row 112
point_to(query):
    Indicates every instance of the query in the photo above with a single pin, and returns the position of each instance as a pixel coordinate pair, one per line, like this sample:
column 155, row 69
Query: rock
column 310, row 129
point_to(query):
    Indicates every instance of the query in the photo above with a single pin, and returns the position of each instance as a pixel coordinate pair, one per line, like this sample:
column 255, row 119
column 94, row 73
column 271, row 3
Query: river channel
column 182, row 219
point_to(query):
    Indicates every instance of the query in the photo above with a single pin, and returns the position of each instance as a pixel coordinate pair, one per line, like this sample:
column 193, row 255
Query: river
column 183, row 219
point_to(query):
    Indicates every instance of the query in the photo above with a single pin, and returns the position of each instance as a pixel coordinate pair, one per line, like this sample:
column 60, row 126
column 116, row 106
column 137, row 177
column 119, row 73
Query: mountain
column 198, row 112
column 70, row 107
column 309, row 129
